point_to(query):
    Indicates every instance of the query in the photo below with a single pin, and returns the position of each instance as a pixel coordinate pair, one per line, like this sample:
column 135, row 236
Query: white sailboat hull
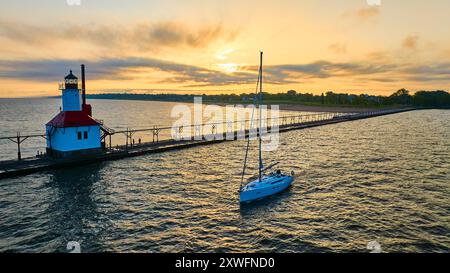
column 268, row 186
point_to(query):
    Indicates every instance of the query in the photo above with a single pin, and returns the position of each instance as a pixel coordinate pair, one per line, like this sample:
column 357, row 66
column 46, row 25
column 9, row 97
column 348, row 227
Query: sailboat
column 264, row 185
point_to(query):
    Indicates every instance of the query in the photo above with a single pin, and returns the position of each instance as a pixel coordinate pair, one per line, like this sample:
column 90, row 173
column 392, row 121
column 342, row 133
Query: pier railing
column 120, row 140
column 213, row 130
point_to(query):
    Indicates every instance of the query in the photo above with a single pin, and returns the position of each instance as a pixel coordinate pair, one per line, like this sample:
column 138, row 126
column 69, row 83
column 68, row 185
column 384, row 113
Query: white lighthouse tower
column 71, row 100
column 73, row 132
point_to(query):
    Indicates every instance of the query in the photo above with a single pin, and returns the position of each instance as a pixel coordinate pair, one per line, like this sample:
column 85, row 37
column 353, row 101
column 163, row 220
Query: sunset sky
column 211, row 46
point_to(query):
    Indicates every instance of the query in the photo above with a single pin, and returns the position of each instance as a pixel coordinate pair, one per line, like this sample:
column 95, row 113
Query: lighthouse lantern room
column 71, row 100
column 73, row 132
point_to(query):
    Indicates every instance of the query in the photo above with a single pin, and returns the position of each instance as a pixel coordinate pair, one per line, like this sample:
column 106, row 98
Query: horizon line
column 124, row 92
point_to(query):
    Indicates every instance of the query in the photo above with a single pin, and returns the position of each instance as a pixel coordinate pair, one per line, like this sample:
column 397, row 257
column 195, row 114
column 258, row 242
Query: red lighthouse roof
column 72, row 119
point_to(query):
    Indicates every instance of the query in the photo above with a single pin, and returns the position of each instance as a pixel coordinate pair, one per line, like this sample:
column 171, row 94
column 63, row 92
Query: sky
column 212, row 46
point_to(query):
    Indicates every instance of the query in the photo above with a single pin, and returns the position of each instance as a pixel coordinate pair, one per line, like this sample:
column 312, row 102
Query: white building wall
column 66, row 139
column 71, row 100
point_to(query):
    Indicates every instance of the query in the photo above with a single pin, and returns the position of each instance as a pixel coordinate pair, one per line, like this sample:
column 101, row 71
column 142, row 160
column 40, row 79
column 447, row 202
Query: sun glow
column 223, row 55
column 214, row 44
column 229, row 67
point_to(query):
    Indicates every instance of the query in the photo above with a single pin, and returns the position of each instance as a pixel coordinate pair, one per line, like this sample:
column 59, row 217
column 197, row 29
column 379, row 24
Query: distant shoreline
column 283, row 106
column 326, row 108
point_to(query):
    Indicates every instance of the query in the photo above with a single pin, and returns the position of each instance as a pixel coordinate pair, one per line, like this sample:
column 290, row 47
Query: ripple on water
column 383, row 179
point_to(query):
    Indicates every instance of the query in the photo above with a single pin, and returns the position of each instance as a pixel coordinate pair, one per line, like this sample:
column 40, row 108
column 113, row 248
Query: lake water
column 385, row 179
column 29, row 116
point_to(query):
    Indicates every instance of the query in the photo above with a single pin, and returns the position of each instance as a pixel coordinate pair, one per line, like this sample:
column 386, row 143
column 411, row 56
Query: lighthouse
column 73, row 132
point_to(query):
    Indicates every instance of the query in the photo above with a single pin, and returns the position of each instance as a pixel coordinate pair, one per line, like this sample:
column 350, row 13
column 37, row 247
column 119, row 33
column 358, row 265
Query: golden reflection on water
column 383, row 179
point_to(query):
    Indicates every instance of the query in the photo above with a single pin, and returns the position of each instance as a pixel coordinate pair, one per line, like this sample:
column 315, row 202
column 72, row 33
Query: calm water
column 29, row 116
column 384, row 179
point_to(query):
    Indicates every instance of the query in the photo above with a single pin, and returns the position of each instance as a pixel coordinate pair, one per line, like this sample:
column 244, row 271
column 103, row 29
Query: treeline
column 152, row 97
column 435, row 99
column 440, row 99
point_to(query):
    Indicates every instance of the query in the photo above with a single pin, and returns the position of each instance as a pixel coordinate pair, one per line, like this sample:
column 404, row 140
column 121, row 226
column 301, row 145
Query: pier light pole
column 18, row 140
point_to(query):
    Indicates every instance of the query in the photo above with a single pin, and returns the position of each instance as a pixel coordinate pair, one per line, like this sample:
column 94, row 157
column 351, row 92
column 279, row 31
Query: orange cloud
column 120, row 69
column 367, row 13
column 338, row 48
column 410, row 42
column 141, row 37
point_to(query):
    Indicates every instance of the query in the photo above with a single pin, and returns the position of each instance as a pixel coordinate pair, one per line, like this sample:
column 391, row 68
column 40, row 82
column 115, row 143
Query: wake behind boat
column 264, row 185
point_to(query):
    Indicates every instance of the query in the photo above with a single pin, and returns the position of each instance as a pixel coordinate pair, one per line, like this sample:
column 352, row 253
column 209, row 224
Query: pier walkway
column 25, row 166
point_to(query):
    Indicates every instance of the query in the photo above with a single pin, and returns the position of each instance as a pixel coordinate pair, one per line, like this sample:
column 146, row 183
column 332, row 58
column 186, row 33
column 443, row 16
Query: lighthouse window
column 85, row 134
column 79, row 135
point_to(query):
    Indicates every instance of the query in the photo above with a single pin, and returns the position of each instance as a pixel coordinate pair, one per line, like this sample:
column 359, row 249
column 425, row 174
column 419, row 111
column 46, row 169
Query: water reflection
column 74, row 213
column 383, row 179
column 259, row 208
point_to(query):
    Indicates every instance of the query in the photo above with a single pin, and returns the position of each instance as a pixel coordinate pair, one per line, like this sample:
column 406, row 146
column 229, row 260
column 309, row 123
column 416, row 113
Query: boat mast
column 255, row 101
column 260, row 114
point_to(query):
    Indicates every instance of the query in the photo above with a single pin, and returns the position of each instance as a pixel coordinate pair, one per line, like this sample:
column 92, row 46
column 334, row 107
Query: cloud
column 24, row 33
column 410, row 42
column 323, row 69
column 141, row 37
column 367, row 13
column 432, row 72
column 380, row 56
column 121, row 69
column 362, row 15
column 338, row 48
column 195, row 76
column 358, row 71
